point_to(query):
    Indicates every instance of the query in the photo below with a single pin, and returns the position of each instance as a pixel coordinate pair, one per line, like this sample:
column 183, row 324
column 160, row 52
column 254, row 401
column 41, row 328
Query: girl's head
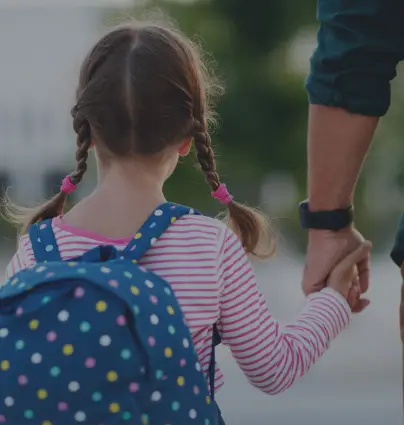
column 143, row 93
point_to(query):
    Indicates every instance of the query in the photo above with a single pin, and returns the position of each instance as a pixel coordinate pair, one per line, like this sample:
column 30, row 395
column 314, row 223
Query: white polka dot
column 40, row 269
column 156, row 396
column 36, row 358
column 80, row 416
column 105, row 270
column 154, row 319
column 3, row 332
column 142, row 370
column 129, row 275
column 153, row 241
column 198, row 367
column 185, row 342
column 49, row 248
column 191, row 211
column 192, row 413
column 63, row 315
column 158, row 213
column 9, row 401
column 73, row 386
column 149, row 284
column 105, row 340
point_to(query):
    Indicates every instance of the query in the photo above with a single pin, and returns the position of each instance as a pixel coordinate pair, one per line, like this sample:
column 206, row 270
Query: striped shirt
column 214, row 282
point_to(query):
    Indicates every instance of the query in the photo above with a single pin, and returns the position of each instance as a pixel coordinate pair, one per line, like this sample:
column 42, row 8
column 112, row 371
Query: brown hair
column 143, row 88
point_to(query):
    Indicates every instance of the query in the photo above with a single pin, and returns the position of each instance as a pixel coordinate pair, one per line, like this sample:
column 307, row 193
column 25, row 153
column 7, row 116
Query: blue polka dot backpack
column 99, row 340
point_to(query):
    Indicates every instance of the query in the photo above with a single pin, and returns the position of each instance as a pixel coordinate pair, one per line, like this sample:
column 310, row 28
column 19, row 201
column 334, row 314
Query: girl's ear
column 185, row 147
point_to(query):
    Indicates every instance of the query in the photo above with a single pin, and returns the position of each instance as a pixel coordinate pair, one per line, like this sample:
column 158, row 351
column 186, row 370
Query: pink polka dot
column 196, row 390
column 121, row 320
column 151, row 341
column 62, row 406
column 134, row 387
column 50, row 274
column 2, row 419
column 113, row 283
column 153, row 299
column 79, row 292
column 90, row 362
column 133, row 248
column 22, row 380
column 42, row 226
column 19, row 311
column 142, row 269
column 51, row 336
column 183, row 362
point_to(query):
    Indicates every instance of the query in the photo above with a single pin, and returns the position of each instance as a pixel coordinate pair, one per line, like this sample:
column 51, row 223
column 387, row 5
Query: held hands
column 335, row 255
column 344, row 278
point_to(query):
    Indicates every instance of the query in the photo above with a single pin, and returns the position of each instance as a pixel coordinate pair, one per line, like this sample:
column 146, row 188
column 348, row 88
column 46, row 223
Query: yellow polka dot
column 33, row 324
column 138, row 235
column 5, row 365
column 101, row 306
column 180, row 381
column 145, row 420
column 134, row 261
column 42, row 394
column 114, row 408
column 134, row 290
column 170, row 310
column 112, row 376
column 14, row 281
column 207, row 399
column 173, row 219
column 68, row 349
column 46, row 423
column 71, row 264
column 168, row 352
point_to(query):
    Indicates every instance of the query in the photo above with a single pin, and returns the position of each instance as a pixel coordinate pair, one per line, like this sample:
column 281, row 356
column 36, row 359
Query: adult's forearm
column 337, row 145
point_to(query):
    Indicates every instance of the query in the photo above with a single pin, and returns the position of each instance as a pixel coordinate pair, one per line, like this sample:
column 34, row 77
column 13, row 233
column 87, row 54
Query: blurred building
column 42, row 44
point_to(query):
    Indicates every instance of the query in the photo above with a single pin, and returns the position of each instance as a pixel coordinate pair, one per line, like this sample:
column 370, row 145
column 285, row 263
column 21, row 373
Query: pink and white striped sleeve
column 271, row 356
column 20, row 259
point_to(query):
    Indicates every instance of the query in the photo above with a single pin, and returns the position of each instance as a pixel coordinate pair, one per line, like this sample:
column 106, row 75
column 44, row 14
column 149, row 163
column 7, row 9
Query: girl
column 142, row 103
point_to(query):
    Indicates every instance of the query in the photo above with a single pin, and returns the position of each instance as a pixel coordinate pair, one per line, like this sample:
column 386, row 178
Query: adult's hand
column 325, row 250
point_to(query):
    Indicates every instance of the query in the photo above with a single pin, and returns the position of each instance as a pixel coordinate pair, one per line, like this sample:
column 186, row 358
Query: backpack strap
column 157, row 223
column 43, row 242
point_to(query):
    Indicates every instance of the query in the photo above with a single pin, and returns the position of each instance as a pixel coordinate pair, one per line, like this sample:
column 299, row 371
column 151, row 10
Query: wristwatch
column 325, row 220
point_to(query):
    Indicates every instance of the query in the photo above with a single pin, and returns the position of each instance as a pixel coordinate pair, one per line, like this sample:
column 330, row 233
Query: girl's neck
column 121, row 202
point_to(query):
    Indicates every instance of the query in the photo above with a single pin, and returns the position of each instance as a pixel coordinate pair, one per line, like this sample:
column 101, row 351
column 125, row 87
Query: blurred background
column 259, row 51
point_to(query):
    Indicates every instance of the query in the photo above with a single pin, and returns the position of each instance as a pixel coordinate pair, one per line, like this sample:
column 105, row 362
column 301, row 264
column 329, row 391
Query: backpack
column 99, row 340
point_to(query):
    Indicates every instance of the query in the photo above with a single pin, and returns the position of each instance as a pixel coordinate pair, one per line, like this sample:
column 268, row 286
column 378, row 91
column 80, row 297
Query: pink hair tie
column 222, row 194
column 67, row 185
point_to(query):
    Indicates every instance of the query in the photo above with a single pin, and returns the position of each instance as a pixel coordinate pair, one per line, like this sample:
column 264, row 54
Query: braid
column 82, row 127
column 205, row 155
column 252, row 227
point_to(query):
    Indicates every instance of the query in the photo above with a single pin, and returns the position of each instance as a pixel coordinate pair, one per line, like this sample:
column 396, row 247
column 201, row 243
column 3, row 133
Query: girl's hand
column 344, row 277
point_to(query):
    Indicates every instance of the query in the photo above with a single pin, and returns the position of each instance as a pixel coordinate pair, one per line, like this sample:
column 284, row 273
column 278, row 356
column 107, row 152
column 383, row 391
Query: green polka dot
column 28, row 414
column 207, row 422
column 136, row 309
column 159, row 374
column 45, row 300
column 19, row 345
column 126, row 416
column 126, row 354
column 171, row 329
column 85, row 326
column 55, row 371
column 175, row 406
column 96, row 396
column 167, row 291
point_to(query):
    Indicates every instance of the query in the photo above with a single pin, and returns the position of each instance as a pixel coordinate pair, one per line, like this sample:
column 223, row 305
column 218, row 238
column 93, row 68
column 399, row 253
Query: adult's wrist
column 331, row 220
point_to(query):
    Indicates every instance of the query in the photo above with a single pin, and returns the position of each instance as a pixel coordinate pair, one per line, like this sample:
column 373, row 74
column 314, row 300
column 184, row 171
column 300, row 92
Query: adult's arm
column 360, row 43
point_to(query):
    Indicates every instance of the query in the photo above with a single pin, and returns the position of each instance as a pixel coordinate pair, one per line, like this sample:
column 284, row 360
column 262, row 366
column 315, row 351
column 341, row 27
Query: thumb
column 343, row 269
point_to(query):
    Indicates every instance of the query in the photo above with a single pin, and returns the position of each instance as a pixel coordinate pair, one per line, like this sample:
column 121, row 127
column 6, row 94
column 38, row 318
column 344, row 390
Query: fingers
column 364, row 273
column 357, row 257
column 360, row 305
